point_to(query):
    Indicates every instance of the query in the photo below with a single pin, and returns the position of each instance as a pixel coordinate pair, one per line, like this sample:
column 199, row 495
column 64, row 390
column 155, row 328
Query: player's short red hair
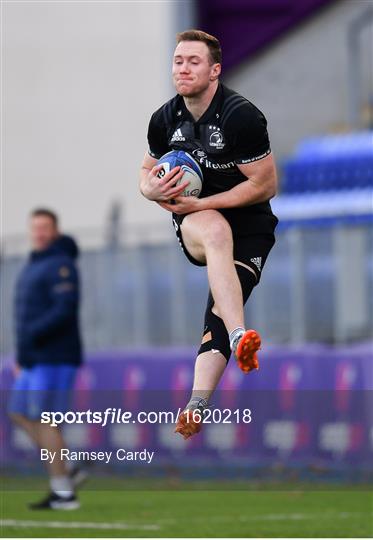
column 199, row 35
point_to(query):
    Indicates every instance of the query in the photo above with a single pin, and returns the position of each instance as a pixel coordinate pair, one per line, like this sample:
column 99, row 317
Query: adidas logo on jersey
column 258, row 262
column 177, row 136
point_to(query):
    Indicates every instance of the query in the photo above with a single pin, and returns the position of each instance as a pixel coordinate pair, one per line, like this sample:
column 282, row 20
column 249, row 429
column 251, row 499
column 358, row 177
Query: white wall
column 301, row 83
column 80, row 82
column 82, row 78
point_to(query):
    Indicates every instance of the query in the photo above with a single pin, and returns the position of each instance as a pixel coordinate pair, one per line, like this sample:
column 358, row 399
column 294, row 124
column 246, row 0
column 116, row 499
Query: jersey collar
column 211, row 113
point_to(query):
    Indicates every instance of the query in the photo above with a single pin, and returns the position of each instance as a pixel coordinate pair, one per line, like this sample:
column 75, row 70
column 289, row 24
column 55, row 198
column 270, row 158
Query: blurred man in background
column 48, row 347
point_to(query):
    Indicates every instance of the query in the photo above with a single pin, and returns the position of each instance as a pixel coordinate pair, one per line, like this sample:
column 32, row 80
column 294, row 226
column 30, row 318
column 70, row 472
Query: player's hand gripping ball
column 192, row 171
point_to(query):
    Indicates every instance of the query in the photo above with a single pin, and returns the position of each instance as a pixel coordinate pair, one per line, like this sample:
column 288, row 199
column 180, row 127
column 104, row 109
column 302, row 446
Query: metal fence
column 317, row 286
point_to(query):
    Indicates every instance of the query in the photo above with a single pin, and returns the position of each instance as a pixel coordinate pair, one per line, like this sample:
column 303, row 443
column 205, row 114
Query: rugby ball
column 192, row 171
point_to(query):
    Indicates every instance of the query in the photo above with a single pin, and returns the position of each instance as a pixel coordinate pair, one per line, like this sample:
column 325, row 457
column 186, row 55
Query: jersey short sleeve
column 157, row 135
column 248, row 133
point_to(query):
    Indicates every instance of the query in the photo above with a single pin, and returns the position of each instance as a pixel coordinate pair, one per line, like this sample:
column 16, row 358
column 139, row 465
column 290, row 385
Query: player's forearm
column 245, row 194
column 143, row 181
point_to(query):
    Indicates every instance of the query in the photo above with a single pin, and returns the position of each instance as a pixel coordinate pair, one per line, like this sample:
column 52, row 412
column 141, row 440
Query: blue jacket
column 46, row 307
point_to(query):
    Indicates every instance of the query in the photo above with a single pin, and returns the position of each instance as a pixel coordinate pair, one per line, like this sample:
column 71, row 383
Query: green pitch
column 212, row 512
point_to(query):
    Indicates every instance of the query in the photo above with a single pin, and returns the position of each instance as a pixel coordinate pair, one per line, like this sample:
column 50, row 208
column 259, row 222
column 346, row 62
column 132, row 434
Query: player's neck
column 198, row 105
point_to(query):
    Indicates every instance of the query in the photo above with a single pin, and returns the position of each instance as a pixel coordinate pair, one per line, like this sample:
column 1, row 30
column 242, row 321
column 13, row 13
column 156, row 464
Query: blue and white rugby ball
column 192, row 171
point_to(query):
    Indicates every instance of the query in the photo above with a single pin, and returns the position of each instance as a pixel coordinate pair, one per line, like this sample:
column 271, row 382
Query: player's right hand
column 163, row 188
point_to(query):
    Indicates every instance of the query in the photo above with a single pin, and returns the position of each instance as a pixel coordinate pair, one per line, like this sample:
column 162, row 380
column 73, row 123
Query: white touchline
column 169, row 521
column 271, row 517
column 75, row 525
column 299, row 516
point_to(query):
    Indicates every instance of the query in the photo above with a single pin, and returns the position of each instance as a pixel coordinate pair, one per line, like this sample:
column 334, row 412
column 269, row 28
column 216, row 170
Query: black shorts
column 248, row 249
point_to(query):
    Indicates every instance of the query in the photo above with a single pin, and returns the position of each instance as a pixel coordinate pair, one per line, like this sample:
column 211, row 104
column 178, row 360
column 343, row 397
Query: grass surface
column 217, row 511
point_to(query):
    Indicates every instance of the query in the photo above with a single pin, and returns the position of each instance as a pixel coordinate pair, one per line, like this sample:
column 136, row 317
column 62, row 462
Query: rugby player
column 230, row 227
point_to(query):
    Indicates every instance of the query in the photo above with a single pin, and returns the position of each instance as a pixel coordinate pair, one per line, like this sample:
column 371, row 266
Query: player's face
column 192, row 69
column 43, row 232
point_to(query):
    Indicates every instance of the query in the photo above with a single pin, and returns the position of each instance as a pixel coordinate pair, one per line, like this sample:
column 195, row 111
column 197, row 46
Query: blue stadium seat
column 333, row 162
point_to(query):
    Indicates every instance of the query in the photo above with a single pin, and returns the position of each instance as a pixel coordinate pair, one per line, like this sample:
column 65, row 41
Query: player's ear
column 215, row 72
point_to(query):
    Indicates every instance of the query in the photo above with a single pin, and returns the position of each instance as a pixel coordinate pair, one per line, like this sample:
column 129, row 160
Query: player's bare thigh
column 207, row 228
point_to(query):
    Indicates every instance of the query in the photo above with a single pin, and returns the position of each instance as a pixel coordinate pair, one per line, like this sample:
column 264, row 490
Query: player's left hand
column 183, row 205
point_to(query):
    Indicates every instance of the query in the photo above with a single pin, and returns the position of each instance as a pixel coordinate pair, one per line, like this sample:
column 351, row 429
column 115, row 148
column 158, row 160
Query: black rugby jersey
column 232, row 131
